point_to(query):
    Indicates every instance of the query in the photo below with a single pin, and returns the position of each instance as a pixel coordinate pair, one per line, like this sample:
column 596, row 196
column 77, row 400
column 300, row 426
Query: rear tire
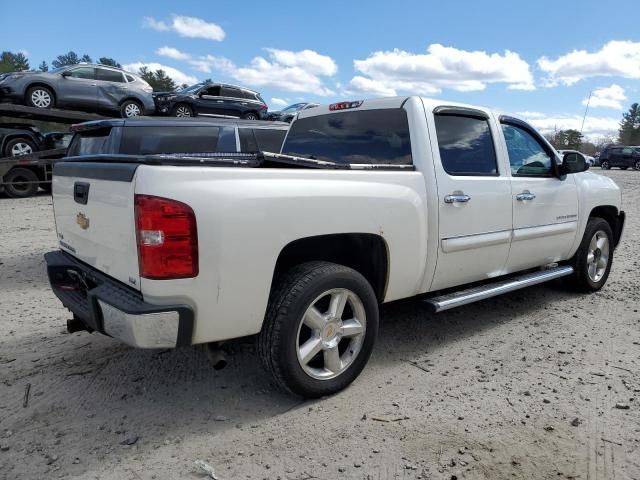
column 19, row 146
column 637, row 165
column 182, row 110
column 320, row 328
column 592, row 262
column 20, row 183
column 250, row 116
column 130, row 109
column 623, row 168
column 40, row 97
column 604, row 165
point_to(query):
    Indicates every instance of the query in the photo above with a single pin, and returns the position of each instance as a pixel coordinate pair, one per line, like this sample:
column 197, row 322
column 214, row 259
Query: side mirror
column 66, row 73
column 573, row 163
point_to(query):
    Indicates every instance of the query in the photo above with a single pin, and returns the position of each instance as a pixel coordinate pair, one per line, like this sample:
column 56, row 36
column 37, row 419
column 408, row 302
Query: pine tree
column 109, row 61
column 629, row 132
column 13, row 62
column 43, row 67
column 159, row 80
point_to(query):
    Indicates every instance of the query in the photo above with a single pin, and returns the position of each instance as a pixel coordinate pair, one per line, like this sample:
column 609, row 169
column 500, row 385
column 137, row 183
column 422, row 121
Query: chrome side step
column 475, row 294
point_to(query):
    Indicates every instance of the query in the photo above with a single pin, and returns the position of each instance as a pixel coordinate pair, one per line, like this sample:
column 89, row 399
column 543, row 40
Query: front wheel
column 592, row 261
column 637, row 165
column 182, row 110
column 605, row 165
column 19, row 146
column 320, row 328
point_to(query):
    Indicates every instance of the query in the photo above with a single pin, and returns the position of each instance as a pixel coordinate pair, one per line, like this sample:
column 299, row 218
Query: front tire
column 637, row 165
column 623, row 168
column 20, row 183
column 182, row 110
column 320, row 328
column 130, row 109
column 40, row 97
column 604, row 165
column 592, row 262
column 19, row 146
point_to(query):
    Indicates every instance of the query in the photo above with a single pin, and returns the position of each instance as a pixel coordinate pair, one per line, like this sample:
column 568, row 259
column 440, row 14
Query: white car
column 369, row 202
column 588, row 158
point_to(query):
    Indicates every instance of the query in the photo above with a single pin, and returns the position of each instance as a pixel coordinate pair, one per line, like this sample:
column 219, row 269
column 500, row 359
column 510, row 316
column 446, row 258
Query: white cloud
column 529, row 114
column 173, row 53
column 365, row 86
column 607, row 97
column 308, row 60
column 209, row 63
column 615, row 58
column 191, row 27
column 178, row 76
column 593, row 126
column 387, row 72
column 279, row 102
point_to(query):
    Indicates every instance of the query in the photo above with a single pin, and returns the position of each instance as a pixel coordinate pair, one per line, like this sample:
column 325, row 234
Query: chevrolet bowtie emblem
column 82, row 220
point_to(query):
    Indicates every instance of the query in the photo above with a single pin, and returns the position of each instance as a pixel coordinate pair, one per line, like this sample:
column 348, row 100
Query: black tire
column 623, row 168
column 637, row 165
column 278, row 342
column 39, row 92
column 13, row 146
column 182, row 110
column 604, row 165
column 129, row 108
column 251, row 116
column 14, row 187
column 581, row 280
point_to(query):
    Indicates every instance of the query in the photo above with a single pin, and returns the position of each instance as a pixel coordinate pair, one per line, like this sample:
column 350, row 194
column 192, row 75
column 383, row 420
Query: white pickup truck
column 368, row 202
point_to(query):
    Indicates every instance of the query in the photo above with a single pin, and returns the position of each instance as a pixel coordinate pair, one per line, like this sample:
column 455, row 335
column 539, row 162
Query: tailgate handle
column 81, row 192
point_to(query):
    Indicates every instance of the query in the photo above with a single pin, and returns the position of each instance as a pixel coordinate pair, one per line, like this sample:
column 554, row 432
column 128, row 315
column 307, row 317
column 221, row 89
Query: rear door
column 545, row 207
column 208, row 101
column 474, row 211
column 111, row 88
column 626, row 157
column 235, row 102
column 79, row 89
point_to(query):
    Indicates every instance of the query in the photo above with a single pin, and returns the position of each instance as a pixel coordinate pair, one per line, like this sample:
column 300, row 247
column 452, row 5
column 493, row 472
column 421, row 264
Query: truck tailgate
column 94, row 212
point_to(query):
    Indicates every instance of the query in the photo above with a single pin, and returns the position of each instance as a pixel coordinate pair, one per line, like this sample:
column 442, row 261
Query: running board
column 475, row 294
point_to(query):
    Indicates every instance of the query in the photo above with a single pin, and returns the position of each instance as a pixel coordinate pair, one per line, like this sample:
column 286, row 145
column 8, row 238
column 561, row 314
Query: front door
column 474, row 194
column 545, row 207
column 79, row 88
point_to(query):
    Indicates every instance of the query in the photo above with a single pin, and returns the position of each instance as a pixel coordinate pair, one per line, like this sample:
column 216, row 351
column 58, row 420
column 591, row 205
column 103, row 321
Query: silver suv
column 89, row 87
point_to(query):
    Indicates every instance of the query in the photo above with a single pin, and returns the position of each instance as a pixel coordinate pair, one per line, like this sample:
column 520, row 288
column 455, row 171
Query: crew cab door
column 545, row 207
column 474, row 192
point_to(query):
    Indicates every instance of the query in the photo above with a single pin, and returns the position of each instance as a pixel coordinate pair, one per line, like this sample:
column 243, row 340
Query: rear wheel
column 40, row 97
column 250, row 116
column 130, row 109
column 623, row 168
column 182, row 110
column 19, row 146
column 321, row 324
column 592, row 261
column 20, row 183
column 636, row 166
column 604, row 165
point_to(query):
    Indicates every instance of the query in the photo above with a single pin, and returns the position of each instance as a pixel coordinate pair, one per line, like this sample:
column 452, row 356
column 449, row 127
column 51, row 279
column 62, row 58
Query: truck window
column 466, row 145
column 247, row 140
column 269, row 140
column 156, row 140
column 527, row 157
column 90, row 142
column 359, row 136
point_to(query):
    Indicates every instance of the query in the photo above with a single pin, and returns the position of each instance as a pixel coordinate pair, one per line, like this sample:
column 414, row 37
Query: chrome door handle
column 526, row 195
column 457, row 198
column 219, row 101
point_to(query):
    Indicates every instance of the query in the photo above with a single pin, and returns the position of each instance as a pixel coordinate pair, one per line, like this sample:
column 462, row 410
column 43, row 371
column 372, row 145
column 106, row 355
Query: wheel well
column 16, row 136
column 610, row 214
column 132, row 99
column 366, row 253
column 40, row 84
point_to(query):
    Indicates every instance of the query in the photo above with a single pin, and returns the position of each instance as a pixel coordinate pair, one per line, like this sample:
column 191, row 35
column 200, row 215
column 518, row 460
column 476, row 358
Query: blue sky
column 541, row 58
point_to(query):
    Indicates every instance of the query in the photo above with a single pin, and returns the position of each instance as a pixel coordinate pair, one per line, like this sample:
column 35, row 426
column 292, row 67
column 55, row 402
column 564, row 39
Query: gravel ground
column 541, row 383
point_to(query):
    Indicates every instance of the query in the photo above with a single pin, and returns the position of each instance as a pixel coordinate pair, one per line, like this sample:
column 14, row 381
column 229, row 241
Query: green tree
column 70, row 58
column 629, row 132
column 13, row 62
column 158, row 80
column 43, row 67
column 109, row 61
column 569, row 139
column 86, row 59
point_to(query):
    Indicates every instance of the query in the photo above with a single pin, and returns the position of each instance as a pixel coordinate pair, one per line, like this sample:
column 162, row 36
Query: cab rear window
column 91, row 142
column 158, row 140
column 364, row 136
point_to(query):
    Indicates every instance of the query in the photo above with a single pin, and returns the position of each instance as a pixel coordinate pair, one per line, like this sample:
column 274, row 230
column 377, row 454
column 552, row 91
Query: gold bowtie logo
column 82, row 220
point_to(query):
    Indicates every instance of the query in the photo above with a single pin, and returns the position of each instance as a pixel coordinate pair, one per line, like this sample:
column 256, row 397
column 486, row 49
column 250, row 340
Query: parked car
column 89, row 87
column 369, row 202
column 150, row 136
column 620, row 156
column 287, row 114
column 212, row 100
column 17, row 139
column 587, row 158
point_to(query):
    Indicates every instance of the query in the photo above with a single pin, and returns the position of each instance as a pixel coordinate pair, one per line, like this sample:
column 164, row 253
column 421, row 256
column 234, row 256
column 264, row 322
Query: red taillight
column 167, row 238
column 344, row 105
column 263, row 107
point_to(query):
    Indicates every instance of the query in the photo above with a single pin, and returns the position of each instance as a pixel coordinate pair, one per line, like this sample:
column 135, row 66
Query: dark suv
column 147, row 136
column 620, row 156
column 213, row 100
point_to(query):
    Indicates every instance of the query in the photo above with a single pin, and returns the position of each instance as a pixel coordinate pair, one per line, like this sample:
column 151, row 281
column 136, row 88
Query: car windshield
column 191, row 88
column 294, row 108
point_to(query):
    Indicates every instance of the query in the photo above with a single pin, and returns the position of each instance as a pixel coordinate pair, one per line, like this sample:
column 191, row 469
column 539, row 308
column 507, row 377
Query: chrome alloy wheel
column 21, row 148
column 598, row 256
column 183, row 112
column 132, row 110
column 331, row 333
column 41, row 98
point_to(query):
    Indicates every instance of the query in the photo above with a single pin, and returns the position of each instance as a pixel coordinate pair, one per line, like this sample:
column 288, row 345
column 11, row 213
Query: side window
column 130, row 78
column 627, row 151
column 231, row 92
column 110, row 75
column 269, row 140
column 527, row 157
column 87, row 73
column 227, row 140
column 247, row 140
column 466, row 145
column 211, row 91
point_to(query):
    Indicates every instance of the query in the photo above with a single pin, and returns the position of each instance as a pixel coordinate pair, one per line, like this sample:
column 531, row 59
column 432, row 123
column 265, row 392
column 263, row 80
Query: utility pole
column 585, row 112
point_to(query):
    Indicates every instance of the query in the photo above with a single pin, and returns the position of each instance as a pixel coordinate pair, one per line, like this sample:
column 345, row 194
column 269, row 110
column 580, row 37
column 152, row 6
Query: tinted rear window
column 110, row 75
column 91, row 142
column 269, row 140
column 365, row 136
column 155, row 140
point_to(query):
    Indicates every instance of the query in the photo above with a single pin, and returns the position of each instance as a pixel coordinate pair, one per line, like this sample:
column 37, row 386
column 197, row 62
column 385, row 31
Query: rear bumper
column 112, row 308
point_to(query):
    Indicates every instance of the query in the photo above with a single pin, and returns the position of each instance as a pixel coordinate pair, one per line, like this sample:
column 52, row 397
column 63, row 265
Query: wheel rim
column 183, row 112
column 132, row 110
column 41, row 98
column 598, row 256
column 251, row 116
column 331, row 333
column 637, row 167
column 21, row 148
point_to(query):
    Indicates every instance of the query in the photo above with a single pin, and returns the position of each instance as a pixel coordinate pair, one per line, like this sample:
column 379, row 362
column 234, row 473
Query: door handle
column 94, row 84
column 457, row 198
column 219, row 101
column 526, row 195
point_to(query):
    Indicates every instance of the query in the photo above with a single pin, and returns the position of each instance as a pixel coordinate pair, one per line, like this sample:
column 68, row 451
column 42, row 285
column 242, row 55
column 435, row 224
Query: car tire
column 182, row 110
column 310, row 345
column 20, row 183
column 623, row 168
column 637, row 165
column 40, row 97
column 592, row 262
column 251, row 116
column 130, row 109
column 19, row 146
column 604, row 165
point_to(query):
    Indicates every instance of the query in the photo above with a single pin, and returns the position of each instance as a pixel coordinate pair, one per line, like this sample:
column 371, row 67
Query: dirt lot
column 541, row 383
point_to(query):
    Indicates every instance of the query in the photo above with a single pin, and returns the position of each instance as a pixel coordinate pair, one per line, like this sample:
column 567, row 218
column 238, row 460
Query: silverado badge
column 82, row 220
